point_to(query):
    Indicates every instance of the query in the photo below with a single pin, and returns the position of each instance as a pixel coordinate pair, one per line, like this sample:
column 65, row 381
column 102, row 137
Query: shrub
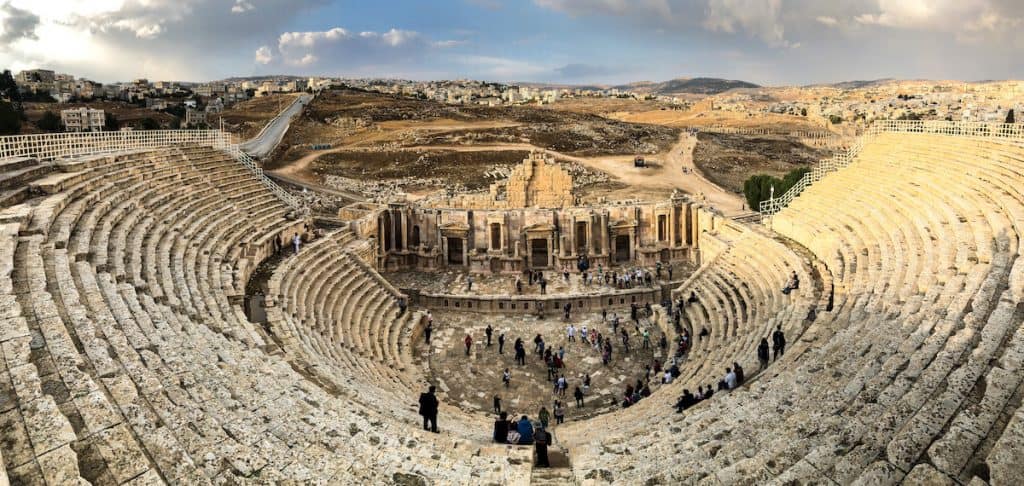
column 50, row 122
column 10, row 120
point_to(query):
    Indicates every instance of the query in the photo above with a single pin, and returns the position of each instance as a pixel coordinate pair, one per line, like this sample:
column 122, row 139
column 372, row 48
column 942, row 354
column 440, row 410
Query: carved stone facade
column 512, row 240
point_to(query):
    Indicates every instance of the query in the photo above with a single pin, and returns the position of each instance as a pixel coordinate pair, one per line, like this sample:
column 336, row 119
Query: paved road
column 266, row 141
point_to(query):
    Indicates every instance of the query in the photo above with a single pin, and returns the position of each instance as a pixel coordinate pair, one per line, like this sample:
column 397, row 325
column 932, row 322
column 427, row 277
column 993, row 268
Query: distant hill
column 706, row 86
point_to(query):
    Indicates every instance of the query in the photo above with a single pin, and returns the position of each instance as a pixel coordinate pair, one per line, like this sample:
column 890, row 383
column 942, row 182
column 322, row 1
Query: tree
column 1009, row 116
column 803, row 111
column 9, row 89
column 10, row 119
column 835, row 119
column 758, row 187
column 111, row 124
column 50, row 122
column 150, row 124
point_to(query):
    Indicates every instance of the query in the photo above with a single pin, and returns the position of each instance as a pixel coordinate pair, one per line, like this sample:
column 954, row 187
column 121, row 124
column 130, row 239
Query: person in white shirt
column 730, row 378
column 667, row 379
column 571, row 332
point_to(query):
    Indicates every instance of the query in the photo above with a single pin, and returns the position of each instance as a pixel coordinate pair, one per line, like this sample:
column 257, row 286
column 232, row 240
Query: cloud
column 575, row 8
column 759, row 18
column 350, row 49
column 826, row 20
column 241, row 6
column 264, row 55
column 445, row 44
column 16, row 24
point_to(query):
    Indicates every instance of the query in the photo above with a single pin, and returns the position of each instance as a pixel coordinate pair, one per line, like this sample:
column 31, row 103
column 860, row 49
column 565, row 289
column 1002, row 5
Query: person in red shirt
column 469, row 343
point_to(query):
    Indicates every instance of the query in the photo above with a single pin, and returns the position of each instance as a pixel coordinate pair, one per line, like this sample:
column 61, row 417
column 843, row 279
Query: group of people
column 524, row 432
column 778, row 347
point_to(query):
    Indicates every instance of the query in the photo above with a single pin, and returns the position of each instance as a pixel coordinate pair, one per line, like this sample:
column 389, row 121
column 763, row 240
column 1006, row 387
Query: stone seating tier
column 126, row 362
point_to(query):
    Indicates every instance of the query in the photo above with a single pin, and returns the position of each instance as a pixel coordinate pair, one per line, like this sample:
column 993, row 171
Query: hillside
column 706, row 86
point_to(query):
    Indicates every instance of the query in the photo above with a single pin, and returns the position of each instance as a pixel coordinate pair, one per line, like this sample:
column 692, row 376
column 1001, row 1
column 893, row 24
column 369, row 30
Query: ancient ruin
column 129, row 264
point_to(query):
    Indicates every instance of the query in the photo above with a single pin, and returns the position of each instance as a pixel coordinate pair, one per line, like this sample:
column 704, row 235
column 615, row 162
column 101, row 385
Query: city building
column 83, row 119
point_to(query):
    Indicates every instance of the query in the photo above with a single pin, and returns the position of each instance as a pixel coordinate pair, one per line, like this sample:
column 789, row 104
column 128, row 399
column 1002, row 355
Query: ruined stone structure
column 126, row 356
column 511, row 240
column 538, row 182
column 537, row 227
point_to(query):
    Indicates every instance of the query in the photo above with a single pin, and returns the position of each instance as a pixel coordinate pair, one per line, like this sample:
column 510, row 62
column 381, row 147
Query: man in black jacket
column 779, row 340
column 428, row 409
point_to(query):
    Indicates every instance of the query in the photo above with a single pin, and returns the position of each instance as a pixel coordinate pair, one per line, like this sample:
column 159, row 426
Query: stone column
column 605, row 248
column 405, row 228
column 465, row 252
column 551, row 250
column 444, row 250
column 632, row 244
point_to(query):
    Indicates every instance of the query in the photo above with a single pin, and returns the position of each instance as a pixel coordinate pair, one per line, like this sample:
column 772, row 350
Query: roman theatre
column 158, row 325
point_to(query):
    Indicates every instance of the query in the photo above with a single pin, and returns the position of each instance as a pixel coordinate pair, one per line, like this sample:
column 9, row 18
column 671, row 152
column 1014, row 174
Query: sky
column 769, row 42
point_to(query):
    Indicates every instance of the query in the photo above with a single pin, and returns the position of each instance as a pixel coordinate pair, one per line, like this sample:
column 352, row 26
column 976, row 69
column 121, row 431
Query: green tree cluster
column 758, row 187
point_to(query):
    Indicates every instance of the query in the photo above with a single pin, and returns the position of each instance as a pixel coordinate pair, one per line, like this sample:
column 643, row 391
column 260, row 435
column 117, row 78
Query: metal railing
column 977, row 130
column 64, row 145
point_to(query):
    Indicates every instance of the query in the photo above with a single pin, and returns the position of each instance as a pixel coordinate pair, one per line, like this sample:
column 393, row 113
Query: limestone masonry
column 127, row 353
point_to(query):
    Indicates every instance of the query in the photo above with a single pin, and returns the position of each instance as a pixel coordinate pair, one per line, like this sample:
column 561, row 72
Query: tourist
column 647, row 339
column 543, row 286
column 693, row 297
column 501, row 343
column 520, row 352
column 645, row 391
column 615, row 323
column 562, row 385
column 700, row 393
column 663, row 342
column 552, row 369
column 738, row 370
column 544, row 416
column 538, row 345
column 625, row 340
column 656, row 366
column 583, row 334
column 708, row 392
column 762, row 353
column 566, row 309
column 634, row 312
column 667, row 378
column 779, row 340
column 401, row 306
column 497, row 399
column 506, row 377
column 297, row 242
column 586, row 383
column 469, row 343
column 730, row 379
column 519, row 285
column 488, row 332
column 561, row 353
column 501, row 427
column 565, row 273
column 559, row 412
column 469, row 283
column 525, row 429
column 570, row 331
column 541, row 442
column 670, row 273
column 686, row 400
column 428, row 330
column 578, row 394
column 703, row 333
column 428, row 409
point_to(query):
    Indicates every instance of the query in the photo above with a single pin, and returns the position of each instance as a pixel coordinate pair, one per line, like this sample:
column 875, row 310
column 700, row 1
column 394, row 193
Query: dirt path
column 665, row 174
